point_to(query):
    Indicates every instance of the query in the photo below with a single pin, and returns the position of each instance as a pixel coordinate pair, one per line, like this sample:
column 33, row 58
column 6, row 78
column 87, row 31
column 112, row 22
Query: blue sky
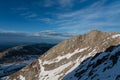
column 57, row 18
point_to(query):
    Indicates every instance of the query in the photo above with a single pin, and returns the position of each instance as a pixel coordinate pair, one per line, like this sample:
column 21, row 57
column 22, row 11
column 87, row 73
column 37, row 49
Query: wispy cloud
column 81, row 1
column 32, row 15
column 48, row 3
column 51, row 33
column 9, row 34
column 42, row 36
column 20, row 8
column 46, row 20
column 25, row 12
column 29, row 15
column 96, row 16
column 65, row 3
column 58, row 3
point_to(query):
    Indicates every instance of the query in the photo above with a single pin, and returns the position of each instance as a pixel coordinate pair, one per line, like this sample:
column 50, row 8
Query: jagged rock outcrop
column 59, row 61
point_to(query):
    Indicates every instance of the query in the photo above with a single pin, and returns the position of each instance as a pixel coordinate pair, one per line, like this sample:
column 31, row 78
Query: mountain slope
column 66, row 56
column 13, row 59
column 103, row 66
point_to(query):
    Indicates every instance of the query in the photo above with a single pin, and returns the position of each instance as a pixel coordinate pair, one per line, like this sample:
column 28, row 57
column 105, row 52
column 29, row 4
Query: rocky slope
column 13, row 59
column 103, row 66
column 62, row 59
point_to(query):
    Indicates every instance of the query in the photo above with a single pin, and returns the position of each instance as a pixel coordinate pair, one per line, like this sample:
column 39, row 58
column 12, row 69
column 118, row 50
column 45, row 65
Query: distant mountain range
column 6, row 45
column 92, row 56
column 15, row 58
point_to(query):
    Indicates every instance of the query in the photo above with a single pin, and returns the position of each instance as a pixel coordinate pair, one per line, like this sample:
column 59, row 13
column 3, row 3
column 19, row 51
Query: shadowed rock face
column 66, row 56
column 102, row 66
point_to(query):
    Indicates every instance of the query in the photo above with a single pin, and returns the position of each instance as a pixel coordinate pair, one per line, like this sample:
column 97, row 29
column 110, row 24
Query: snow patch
column 77, row 63
column 52, row 74
column 5, row 78
column 115, row 36
column 92, row 53
column 21, row 77
column 99, row 71
column 67, row 56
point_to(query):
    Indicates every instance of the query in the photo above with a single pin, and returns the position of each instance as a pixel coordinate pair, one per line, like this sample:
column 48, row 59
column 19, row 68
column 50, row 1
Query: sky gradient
column 40, row 20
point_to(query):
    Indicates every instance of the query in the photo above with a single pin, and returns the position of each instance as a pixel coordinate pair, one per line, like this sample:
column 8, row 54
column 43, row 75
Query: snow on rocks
column 67, row 56
column 115, row 36
column 22, row 77
column 52, row 74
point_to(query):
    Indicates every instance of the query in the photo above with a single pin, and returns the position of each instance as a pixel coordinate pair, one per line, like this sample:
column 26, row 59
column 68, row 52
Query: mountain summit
column 79, row 58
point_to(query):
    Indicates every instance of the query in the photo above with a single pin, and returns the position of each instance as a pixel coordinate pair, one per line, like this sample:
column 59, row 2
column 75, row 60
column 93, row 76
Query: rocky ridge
column 62, row 59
